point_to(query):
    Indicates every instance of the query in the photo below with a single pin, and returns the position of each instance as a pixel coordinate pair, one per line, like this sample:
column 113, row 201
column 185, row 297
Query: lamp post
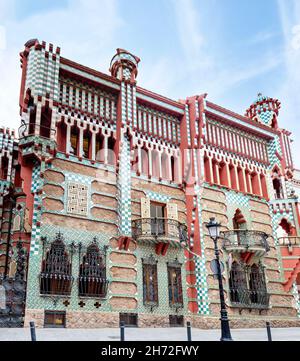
column 214, row 232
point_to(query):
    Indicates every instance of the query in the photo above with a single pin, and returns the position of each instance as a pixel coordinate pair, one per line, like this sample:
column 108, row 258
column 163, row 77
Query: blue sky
column 230, row 49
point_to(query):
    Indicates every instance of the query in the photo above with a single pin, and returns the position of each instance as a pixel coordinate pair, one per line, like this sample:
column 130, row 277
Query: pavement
column 145, row 334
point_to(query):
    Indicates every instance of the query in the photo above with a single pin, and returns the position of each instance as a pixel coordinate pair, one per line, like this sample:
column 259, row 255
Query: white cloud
column 290, row 89
column 86, row 31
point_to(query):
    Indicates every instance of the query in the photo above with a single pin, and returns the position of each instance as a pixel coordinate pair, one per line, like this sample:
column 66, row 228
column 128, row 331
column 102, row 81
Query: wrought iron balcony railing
column 243, row 298
column 289, row 241
column 55, row 284
column 95, row 287
column 159, row 229
column 241, row 239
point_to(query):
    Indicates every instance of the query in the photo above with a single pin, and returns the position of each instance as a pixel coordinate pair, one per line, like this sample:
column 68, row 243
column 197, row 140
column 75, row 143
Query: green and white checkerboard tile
column 36, row 185
column 297, row 298
column 157, row 197
column 124, row 189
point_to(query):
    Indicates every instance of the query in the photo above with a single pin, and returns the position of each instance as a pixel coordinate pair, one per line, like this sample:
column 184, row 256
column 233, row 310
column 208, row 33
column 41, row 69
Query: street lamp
column 214, row 232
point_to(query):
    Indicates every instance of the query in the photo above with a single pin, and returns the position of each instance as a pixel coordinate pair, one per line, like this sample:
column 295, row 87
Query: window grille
column 56, row 275
column 175, row 285
column 247, row 286
column 150, row 285
column 92, row 280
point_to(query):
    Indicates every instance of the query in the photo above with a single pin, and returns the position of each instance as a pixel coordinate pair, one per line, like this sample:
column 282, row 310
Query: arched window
column 92, row 280
column 100, row 147
column 74, row 141
column 56, row 275
column 45, row 127
column 173, row 169
column 277, row 188
column 87, row 150
column 61, row 136
column 32, row 116
column 257, row 284
column 145, row 160
column 4, row 167
column 111, row 157
column 237, row 283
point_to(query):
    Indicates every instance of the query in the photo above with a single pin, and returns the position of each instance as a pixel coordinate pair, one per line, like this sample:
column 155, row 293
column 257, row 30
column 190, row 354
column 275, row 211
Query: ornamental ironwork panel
column 13, row 294
column 247, row 286
column 245, row 238
column 159, row 227
column 175, row 287
column 150, row 283
column 92, row 281
column 56, row 275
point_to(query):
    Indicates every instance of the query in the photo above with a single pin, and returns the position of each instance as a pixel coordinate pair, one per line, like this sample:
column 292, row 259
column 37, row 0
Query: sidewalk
column 145, row 334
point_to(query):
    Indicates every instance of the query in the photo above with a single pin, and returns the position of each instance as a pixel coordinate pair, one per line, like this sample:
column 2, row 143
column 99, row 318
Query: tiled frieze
column 77, row 201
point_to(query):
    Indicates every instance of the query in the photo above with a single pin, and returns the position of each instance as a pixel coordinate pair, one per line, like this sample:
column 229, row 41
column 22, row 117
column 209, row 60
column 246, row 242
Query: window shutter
column 172, row 215
column 145, row 213
column 145, row 208
column 172, row 212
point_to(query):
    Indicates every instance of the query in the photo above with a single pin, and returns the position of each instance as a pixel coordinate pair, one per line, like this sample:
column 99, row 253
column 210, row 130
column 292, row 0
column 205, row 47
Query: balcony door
column 157, row 213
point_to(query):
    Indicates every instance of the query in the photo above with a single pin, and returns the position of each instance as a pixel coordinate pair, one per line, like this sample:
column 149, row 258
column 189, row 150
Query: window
column 175, row 285
column 237, row 282
column 176, row 321
column 87, row 144
column 111, row 157
column 4, row 167
column 56, row 319
column 247, row 286
column 129, row 319
column 92, row 273
column 157, row 214
column 150, row 286
column 74, row 141
column 277, row 188
column 56, row 275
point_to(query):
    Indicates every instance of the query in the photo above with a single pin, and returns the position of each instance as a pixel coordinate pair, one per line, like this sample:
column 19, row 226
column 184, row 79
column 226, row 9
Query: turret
column 264, row 110
column 124, row 65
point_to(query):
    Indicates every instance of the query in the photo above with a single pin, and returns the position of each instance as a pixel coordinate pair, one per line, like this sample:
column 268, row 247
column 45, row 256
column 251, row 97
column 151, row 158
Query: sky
column 230, row 49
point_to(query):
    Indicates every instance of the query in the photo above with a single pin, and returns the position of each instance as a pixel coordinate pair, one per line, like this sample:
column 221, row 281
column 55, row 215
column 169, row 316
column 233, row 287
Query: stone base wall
column 80, row 319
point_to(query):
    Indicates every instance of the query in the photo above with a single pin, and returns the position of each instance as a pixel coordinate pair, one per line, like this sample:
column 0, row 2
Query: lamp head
column 213, row 228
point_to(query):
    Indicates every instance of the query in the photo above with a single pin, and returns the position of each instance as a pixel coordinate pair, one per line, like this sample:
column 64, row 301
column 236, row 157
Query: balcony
column 289, row 241
column 159, row 230
column 249, row 299
column 245, row 241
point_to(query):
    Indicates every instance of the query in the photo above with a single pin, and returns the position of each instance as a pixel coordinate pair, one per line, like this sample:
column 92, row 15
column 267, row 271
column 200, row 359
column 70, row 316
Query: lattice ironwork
column 56, row 275
column 247, row 286
column 245, row 238
column 159, row 227
column 13, row 293
column 92, row 281
column 150, row 282
column 175, row 286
